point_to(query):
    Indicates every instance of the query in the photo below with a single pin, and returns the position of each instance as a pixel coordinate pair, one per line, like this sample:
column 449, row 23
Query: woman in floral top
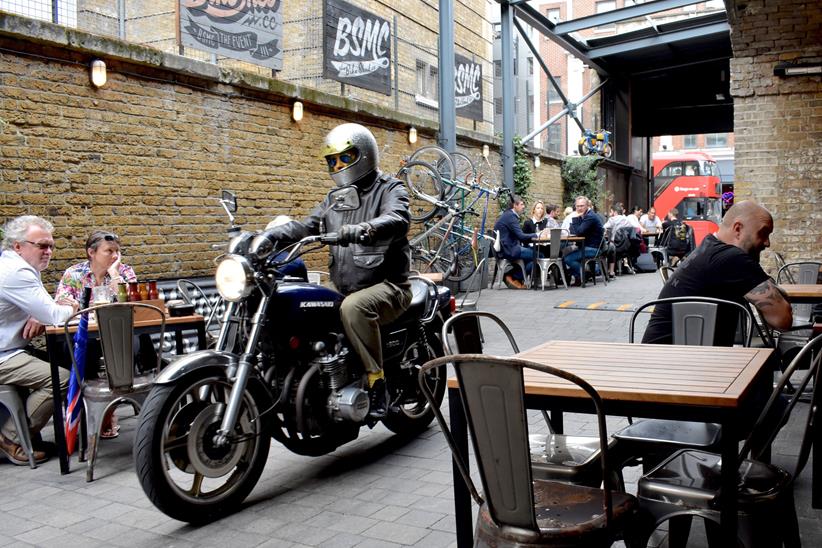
column 102, row 267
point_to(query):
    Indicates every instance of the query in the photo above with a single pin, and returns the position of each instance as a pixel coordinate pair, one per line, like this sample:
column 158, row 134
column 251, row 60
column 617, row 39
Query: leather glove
column 354, row 234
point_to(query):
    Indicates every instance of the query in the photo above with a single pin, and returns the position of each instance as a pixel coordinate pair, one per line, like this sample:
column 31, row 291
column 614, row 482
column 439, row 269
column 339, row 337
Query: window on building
column 555, row 137
column 497, row 69
column 716, row 139
column 553, row 15
column 427, row 90
column 530, row 66
column 689, row 141
column 498, row 105
column 553, row 96
column 529, row 122
column 66, row 10
column 516, row 62
column 603, row 7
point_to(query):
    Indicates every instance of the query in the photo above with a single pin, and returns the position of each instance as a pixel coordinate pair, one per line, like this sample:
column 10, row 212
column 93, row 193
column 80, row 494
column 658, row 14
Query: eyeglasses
column 344, row 157
column 40, row 245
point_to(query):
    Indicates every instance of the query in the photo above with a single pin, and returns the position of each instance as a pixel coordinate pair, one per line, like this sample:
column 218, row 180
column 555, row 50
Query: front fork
column 239, row 376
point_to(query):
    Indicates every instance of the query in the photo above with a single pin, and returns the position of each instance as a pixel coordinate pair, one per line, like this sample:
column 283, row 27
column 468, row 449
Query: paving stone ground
column 378, row 491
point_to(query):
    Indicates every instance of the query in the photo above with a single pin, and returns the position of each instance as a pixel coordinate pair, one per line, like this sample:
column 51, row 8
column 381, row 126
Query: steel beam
column 665, row 38
column 507, row 41
column 445, row 49
column 622, row 14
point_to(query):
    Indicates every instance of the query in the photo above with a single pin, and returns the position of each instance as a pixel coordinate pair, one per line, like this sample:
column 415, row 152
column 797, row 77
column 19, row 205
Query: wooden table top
column 564, row 239
column 92, row 326
column 802, row 291
column 673, row 374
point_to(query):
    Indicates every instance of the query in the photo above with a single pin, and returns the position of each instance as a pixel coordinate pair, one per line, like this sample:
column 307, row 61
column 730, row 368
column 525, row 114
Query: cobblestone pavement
column 378, row 491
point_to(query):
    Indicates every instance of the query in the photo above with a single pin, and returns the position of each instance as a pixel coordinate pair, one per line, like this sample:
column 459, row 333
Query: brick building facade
column 778, row 120
column 147, row 155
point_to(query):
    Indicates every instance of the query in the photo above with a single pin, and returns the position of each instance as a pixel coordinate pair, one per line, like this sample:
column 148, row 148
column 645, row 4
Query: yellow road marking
column 624, row 307
column 565, row 304
column 594, row 306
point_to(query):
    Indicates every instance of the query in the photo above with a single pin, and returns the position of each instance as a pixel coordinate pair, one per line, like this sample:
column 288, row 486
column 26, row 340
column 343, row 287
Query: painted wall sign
column 468, row 88
column 356, row 46
column 248, row 30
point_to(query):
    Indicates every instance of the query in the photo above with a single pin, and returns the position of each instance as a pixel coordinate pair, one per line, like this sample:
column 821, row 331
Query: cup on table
column 101, row 294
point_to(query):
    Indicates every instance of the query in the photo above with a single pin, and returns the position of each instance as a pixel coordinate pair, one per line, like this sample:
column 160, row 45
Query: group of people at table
column 517, row 238
column 26, row 308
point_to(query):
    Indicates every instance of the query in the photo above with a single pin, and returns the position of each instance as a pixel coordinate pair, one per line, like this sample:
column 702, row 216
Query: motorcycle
column 596, row 143
column 282, row 369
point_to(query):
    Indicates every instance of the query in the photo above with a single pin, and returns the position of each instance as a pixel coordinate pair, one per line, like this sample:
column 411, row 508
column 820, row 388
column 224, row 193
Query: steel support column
column 507, row 41
column 447, row 110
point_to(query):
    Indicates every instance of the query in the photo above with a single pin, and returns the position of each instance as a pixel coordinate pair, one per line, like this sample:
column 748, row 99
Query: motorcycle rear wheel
column 181, row 470
column 414, row 414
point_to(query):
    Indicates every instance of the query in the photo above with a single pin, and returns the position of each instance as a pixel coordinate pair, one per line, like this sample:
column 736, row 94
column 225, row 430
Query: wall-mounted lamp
column 536, row 161
column 486, row 151
column 97, row 73
column 297, row 111
column 790, row 69
column 412, row 135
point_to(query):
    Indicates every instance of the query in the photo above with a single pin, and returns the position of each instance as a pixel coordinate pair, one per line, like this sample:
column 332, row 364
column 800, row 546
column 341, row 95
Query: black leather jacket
column 385, row 206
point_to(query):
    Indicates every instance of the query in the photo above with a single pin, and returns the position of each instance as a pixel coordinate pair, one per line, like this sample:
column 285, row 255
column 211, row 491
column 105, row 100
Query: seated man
column 25, row 306
column 726, row 266
column 678, row 238
column 511, row 239
column 586, row 224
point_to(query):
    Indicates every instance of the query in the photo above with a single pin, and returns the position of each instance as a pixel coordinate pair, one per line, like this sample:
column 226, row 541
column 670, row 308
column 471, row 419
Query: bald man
column 726, row 266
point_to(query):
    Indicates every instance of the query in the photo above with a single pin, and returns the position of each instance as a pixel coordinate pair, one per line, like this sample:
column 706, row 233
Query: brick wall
column 147, row 155
column 778, row 121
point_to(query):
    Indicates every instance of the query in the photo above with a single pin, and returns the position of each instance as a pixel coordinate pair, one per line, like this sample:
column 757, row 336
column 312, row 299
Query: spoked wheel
column 426, row 187
column 583, row 148
column 465, row 173
column 410, row 412
column 608, row 150
column 439, row 158
column 428, row 257
column 182, row 470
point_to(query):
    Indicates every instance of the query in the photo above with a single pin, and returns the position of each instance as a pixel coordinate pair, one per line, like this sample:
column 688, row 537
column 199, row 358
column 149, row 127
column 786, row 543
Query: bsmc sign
column 468, row 88
column 356, row 47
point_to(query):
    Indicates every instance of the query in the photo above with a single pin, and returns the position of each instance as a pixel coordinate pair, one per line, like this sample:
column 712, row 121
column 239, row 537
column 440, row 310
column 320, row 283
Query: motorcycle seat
column 420, row 301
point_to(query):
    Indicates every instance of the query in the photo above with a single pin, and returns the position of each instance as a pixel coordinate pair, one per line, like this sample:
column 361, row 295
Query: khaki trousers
column 26, row 371
column 364, row 311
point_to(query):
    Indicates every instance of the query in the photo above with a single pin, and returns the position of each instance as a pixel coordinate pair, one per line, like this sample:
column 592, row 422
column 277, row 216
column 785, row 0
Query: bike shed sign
column 468, row 88
column 248, row 30
column 357, row 47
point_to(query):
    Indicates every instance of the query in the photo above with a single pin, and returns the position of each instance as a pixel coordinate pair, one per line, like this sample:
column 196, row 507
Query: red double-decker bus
column 689, row 182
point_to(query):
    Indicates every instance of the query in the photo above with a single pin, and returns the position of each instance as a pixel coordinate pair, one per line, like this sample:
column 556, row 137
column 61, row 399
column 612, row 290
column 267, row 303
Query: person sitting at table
column 726, row 266
column 650, row 222
column 552, row 217
column 568, row 216
column 538, row 220
column 511, row 239
column 588, row 225
column 25, row 308
column 678, row 238
column 103, row 267
column 634, row 217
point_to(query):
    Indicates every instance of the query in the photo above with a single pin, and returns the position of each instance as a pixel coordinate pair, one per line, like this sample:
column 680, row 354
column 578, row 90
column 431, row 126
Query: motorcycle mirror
column 346, row 198
column 229, row 200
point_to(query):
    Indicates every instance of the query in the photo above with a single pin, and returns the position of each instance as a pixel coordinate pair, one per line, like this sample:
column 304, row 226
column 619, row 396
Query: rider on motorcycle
column 372, row 272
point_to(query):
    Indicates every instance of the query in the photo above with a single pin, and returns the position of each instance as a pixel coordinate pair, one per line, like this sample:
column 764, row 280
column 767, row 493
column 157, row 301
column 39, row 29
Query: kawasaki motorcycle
column 282, row 369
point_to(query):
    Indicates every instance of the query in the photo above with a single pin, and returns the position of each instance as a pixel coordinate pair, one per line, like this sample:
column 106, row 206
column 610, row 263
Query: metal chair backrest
column 492, row 391
column 466, row 329
column 802, row 272
column 665, row 272
column 693, row 319
column 555, row 250
column 115, row 326
column 770, row 426
column 473, row 287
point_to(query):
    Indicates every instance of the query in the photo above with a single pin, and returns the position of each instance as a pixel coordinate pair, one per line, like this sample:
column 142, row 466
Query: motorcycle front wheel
column 182, row 471
column 583, row 149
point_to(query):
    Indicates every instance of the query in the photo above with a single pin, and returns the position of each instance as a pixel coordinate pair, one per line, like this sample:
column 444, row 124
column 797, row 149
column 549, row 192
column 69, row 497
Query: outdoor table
column 55, row 343
column 802, row 293
column 696, row 383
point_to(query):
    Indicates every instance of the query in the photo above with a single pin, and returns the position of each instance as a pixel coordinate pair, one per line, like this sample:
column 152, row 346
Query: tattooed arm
column 771, row 304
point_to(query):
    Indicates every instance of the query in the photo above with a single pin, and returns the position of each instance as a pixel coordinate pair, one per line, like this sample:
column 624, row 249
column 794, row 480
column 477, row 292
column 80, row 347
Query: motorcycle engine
column 347, row 401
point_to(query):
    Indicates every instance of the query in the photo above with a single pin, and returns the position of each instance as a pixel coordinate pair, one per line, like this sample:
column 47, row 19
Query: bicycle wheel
column 425, row 186
column 465, row 262
column 465, row 174
column 439, row 158
column 430, row 255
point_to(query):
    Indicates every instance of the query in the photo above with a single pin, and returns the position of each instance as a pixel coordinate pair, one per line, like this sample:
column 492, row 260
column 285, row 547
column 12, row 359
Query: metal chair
column 520, row 510
column 805, row 272
column 115, row 326
column 665, row 273
column 686, row 484
column 694, row 321
column 597, row 260
column 502, row 265
column 554, row 259
column 473, row 289
column 10, row 398
column 572, row 459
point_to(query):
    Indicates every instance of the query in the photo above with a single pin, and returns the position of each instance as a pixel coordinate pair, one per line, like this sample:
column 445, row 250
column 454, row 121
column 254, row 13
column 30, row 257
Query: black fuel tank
column 304, row 309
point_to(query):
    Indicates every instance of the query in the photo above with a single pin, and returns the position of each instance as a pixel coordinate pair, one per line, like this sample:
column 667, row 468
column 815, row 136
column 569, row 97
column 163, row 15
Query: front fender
column 194, row 361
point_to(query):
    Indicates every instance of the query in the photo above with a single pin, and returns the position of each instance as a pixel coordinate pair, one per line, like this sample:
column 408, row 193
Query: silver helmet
column 347, row 137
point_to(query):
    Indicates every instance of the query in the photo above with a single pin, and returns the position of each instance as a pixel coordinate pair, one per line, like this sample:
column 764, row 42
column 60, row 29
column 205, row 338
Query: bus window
column 674, row 169
column 709, row 209
column 709, row 168
column 691, row 169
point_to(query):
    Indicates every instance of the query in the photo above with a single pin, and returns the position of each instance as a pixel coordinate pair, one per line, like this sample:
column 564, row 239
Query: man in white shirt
column 25, row 308
column 650, row 222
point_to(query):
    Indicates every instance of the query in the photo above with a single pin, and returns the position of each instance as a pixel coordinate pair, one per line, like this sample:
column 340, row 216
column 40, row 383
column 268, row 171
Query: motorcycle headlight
column 235, row 278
